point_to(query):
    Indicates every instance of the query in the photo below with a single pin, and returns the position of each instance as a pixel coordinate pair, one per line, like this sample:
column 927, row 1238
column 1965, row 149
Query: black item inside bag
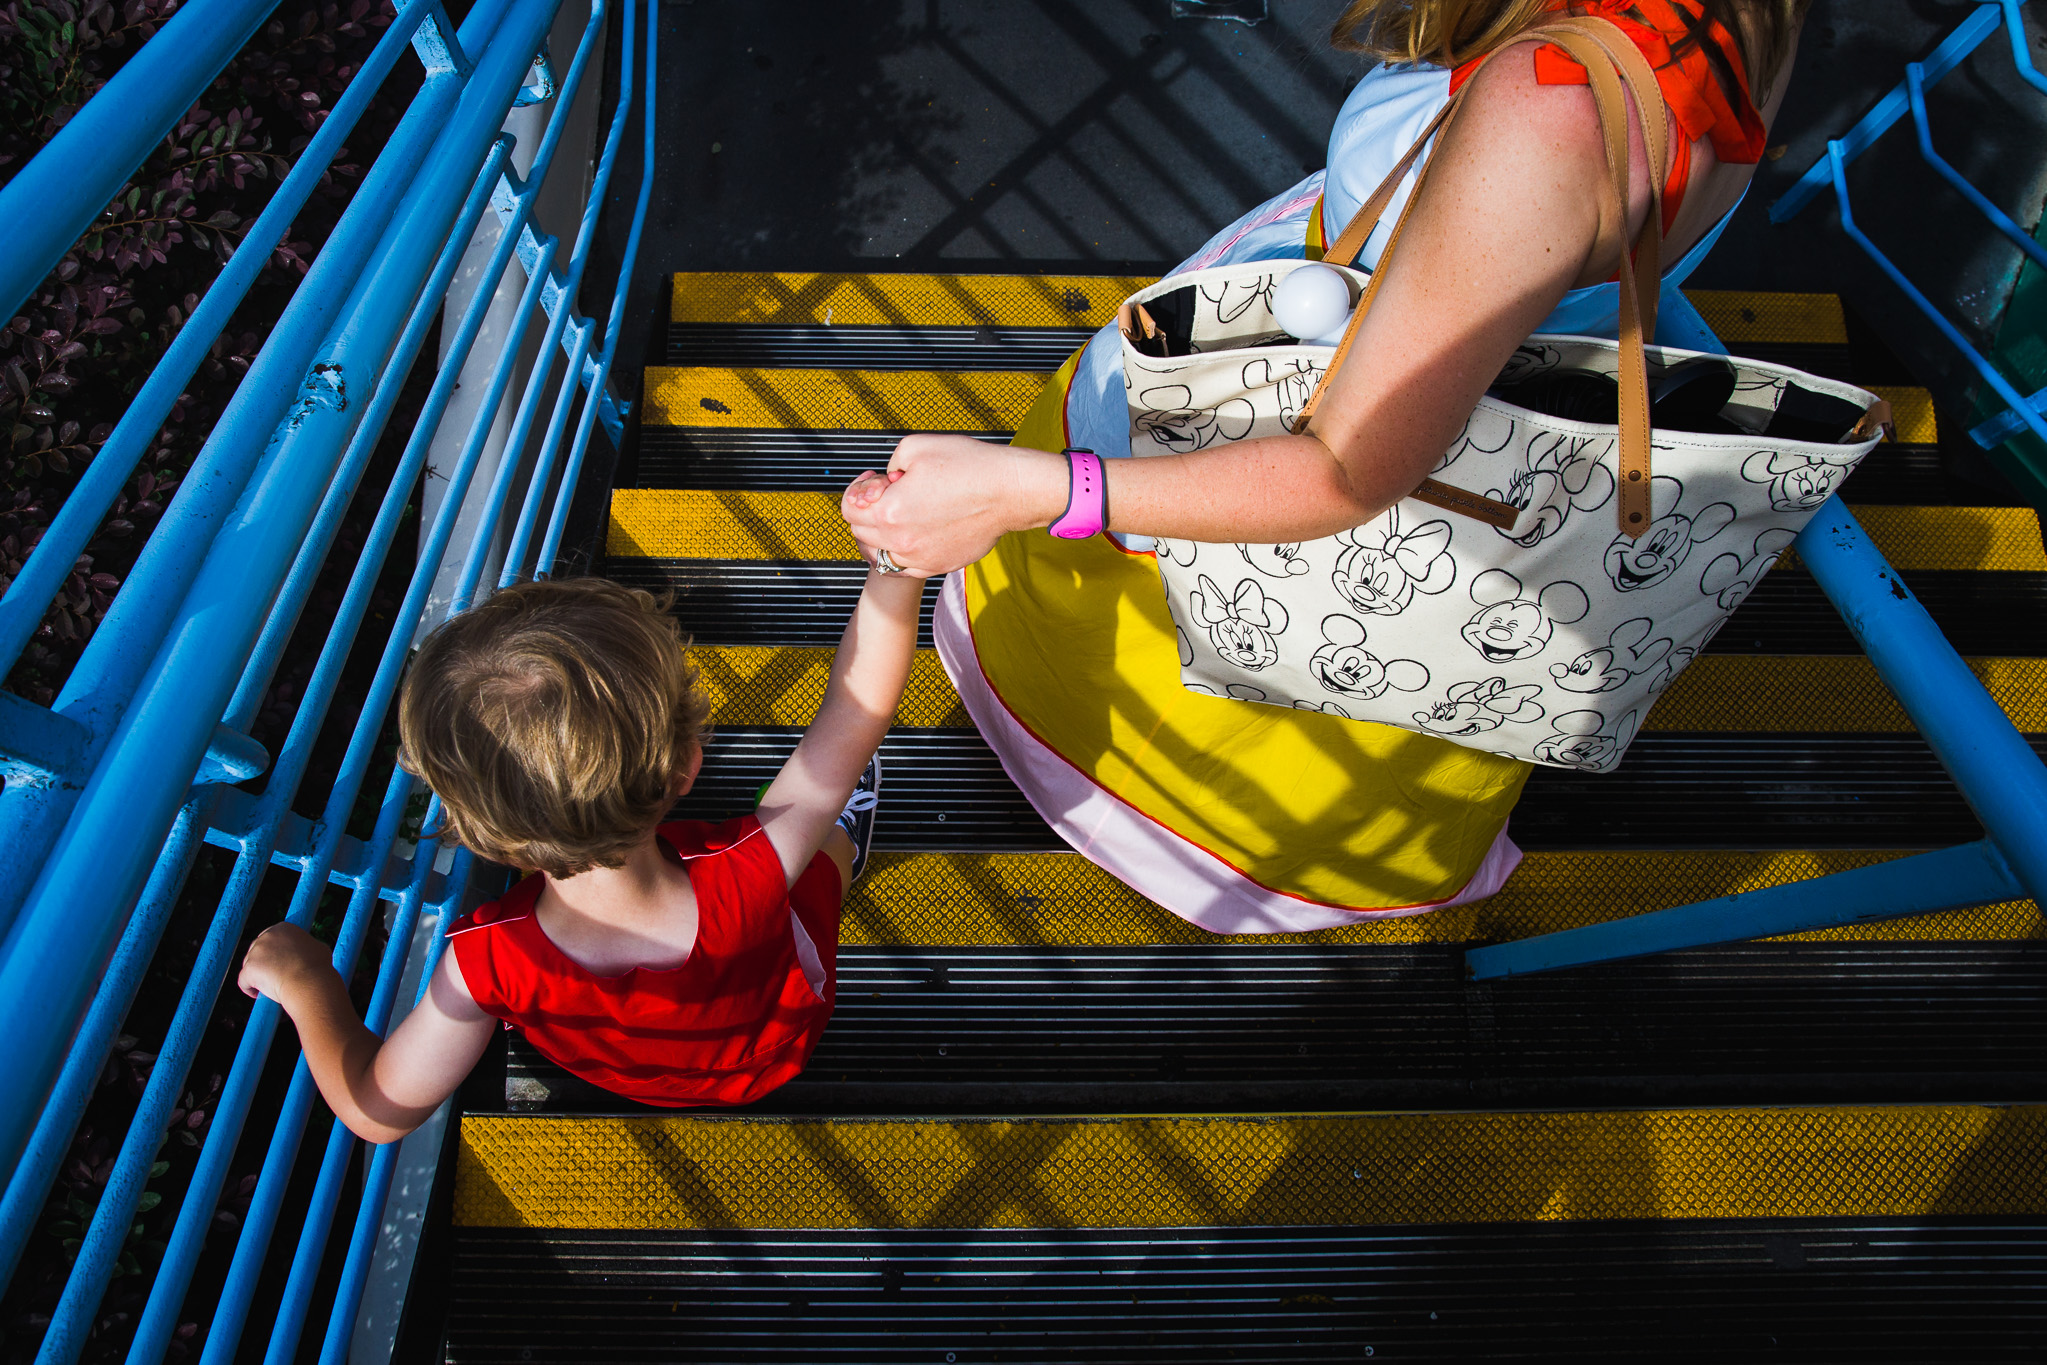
column 1687, row 397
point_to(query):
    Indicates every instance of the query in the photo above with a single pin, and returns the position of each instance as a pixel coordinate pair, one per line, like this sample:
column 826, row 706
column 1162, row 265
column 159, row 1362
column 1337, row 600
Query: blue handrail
column 153, row 719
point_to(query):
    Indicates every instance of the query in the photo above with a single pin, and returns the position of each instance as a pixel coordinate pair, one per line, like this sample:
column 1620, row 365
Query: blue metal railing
column 1989, row 760
column 111, row 791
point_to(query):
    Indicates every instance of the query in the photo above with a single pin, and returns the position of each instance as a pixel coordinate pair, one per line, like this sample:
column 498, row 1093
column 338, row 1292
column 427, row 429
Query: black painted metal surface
column 1792, row 1290
column 1233, row 1029
column 946, row 791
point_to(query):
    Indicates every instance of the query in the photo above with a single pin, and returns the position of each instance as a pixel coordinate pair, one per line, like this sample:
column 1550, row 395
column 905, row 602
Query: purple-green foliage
column 86, row 338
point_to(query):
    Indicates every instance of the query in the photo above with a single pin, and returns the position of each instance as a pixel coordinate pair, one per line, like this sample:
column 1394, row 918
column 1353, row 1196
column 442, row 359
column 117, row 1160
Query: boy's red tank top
column 734, row 1021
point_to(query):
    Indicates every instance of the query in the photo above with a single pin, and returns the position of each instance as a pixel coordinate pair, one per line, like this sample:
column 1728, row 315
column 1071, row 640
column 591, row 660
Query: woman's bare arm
column 1515, row 213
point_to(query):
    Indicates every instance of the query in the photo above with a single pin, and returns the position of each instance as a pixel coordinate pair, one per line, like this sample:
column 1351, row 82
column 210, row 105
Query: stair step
column 1378, row 1170
column 1805, row 1288
column 807, row 603
column 946, row 791
column 756, row 685
column 744, row 524
column 1061, row 900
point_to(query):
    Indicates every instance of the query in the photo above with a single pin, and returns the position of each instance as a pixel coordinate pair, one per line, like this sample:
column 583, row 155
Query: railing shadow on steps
column 111, row 791
column 1989, row 760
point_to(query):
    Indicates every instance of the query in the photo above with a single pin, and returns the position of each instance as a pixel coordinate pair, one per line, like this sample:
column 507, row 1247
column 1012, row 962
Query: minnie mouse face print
column 1563, row 473
column 1381, row 568
column 1662, row 550
column 1170, row 420
column 1509, row 626
column 1292, row 381
column 1347, row 668
column 1485, row 433
column 1799, row 481
column 1242, row 626
column 1274, row 561
column 1582, row 741
column 1229, row 300
column 1472, row 708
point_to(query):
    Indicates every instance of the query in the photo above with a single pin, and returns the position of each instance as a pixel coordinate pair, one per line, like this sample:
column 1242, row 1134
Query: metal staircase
column 1053, row 1122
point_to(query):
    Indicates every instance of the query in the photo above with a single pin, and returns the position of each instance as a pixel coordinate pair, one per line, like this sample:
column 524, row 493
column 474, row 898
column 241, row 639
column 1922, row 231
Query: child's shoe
column 857, row 819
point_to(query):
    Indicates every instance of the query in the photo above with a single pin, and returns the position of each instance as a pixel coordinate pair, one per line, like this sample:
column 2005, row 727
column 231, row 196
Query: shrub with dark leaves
column 85, row 340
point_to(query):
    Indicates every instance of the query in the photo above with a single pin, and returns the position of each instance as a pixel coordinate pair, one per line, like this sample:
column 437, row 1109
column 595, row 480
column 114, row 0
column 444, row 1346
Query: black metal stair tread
column 722, row 458
column 1219, row 1028
column 721, row 602
column 946, row 791
column 1795, row 1289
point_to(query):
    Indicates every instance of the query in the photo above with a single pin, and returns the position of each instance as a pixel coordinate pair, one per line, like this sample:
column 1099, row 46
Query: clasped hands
column 945, row 500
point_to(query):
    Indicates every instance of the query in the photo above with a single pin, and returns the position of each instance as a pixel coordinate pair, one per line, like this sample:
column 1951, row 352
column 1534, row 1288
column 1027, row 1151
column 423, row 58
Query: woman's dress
column 1238, row 817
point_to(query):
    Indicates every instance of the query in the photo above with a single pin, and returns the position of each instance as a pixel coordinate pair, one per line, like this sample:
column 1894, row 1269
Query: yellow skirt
column 1239, row 817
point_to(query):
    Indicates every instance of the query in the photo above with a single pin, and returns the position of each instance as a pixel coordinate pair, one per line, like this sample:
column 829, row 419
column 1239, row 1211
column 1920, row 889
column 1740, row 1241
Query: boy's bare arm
column 382, row 1088
column 867, row 678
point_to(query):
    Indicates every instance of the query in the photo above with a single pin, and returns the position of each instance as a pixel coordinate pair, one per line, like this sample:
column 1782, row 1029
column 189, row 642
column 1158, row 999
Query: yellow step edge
column 781, row 685
column 1912, row 417
column 846, row 299
column 840, row 400
column 854, row 300
column 724, row 397
column 677, row 1173
column 1740, row 315
column 947, row 900
column 654, row 523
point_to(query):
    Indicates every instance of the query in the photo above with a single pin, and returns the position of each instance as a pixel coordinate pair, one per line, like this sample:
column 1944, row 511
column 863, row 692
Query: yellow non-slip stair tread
column 1913, row 421
column 839, row 400
column 655, row 523
column 852, row 299
column 781, row 685
column 1061, row 900
column 1740, row 315
column 1263, row 1171
column 838, row 299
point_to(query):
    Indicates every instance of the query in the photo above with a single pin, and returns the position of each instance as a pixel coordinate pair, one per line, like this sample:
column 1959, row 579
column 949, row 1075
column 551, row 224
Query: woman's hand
column 946, row 500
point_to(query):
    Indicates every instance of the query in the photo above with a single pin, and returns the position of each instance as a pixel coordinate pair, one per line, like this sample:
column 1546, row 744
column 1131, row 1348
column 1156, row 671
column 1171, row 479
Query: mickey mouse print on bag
column 1548, row 639
column 1595, row 558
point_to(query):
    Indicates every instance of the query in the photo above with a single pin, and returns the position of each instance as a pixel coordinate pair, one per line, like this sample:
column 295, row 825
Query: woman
column 1246, row 818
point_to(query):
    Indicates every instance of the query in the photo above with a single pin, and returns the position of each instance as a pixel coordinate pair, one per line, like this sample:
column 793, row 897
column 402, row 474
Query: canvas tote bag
column 1552, row 575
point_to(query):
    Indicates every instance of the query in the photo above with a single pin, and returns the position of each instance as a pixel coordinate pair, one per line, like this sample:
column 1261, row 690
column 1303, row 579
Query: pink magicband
column 1087, row 497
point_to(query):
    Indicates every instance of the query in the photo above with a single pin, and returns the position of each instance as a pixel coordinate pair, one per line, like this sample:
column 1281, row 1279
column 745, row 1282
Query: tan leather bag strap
column 1596, row 44
column 1656, row 132
column 1344, row 250
column 1632, row 503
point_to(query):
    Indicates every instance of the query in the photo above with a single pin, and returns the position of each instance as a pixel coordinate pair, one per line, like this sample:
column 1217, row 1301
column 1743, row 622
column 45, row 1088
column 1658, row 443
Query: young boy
column 678, row 964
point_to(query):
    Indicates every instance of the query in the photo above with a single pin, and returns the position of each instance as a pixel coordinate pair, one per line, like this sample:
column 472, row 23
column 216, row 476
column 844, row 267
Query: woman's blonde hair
column 552, row 721
column 1451, row 32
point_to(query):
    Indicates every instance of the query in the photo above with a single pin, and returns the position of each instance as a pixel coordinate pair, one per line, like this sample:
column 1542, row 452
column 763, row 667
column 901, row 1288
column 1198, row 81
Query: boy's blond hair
column 553, row 721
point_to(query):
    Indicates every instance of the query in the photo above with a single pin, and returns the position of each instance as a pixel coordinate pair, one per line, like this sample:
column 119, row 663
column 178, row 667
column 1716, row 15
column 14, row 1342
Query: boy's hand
column 281, row 956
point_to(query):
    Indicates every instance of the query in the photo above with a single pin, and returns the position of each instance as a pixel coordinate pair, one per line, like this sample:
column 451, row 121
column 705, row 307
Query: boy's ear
column 687, row 778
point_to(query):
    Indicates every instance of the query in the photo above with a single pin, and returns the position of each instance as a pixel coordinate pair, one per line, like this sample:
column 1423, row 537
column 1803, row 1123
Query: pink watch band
column 1087, row 497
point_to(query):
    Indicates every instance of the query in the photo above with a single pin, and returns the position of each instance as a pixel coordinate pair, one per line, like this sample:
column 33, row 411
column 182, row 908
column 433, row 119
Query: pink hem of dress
column 1184, row 878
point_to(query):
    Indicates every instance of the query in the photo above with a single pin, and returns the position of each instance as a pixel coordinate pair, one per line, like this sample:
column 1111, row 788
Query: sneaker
column 857, row 819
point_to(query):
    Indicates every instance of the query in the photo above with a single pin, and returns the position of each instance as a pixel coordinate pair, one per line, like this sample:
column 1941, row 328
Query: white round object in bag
column 1313, row 303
